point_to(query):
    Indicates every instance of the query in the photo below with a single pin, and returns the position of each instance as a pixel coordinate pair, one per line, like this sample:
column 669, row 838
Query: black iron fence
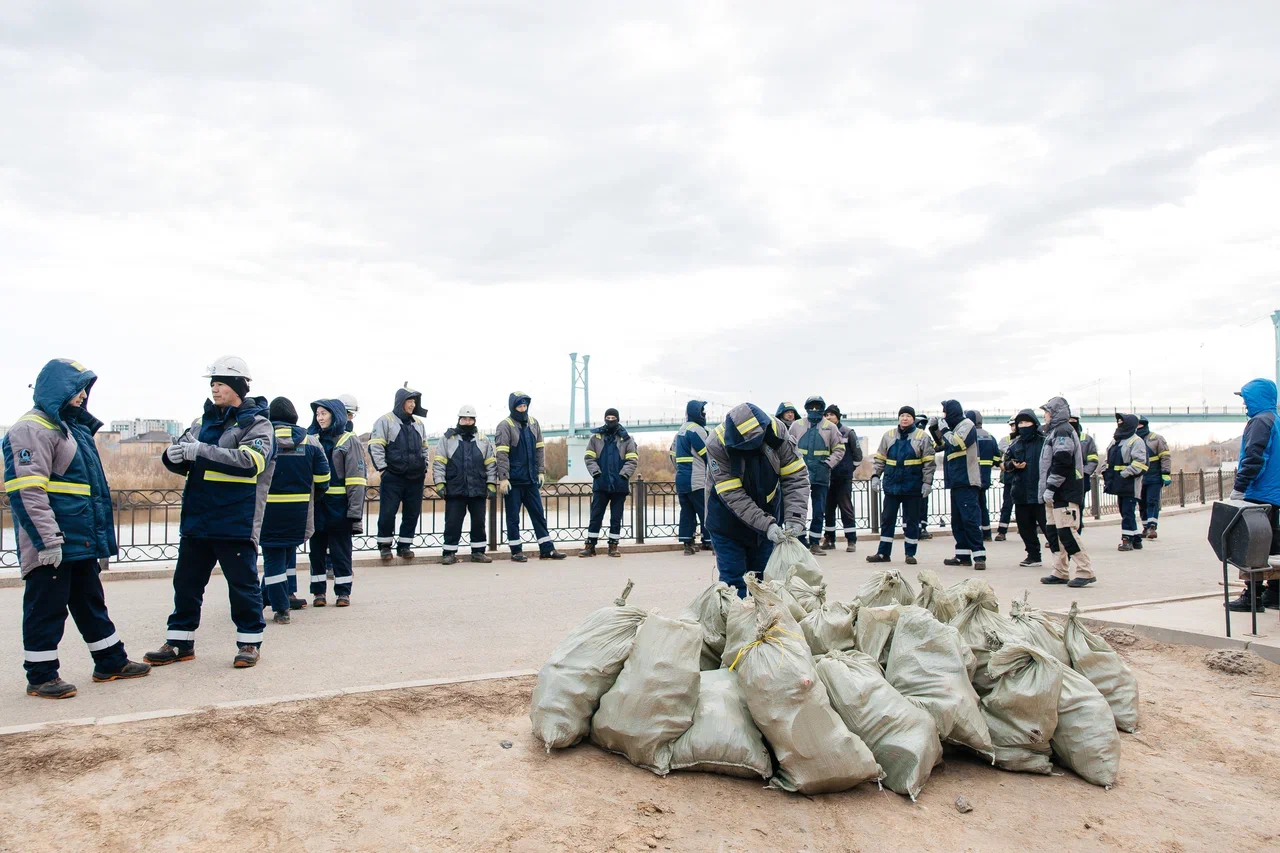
column 147, row 520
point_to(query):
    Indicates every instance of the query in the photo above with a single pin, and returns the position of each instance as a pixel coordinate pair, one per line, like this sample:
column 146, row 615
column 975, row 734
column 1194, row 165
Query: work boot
column 879, row 558
column 924, row 534
column 449, row 559
column 956, row 561
column 319, row 601
column 56, row 689
column 689, row 550
column 384, row 552
column 986, row 536
column 816, row 550
column 248, row 655
column 706, row 546
column 852, row 547
column 1271, row 596
column 344, row 601
column 911, row 561
column 1030, row 563
column 1077, row 583
column 1125, row 545
column 1053, row 579
column 519, row 558
column 404, row 553
column 131, row 669
column 282, row 618
column 613, row 549
column 1243, row 605
column 1137, row 543
column 168, row 654
column 296, row 603
column 828, row 541
column 1000, row 537
column 979, row 565
column 554, row 555
column 480, row 557
column 589, row 550
column 1151, row 533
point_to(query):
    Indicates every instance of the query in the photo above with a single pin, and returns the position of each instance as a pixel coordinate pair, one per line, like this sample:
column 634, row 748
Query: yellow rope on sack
column 768, row 635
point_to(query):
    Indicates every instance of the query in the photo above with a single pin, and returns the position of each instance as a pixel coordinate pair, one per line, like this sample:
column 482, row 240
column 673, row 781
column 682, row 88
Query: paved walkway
column 429, row 621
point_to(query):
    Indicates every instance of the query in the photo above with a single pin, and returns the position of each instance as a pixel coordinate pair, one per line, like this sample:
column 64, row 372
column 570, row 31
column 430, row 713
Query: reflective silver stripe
column 345, row 580
column 270, row 579
column 830, row 528
column 319, row 578
column 593, row 534
column 614, row 537
column 963, row 552
column 248, row 638
column 449, row 549
column 180, row 635
column 979, row 555
column 514, row 542
column 387, row 541
column 545, row 539
column 404, row 541
column 888, row 539
column 104, row 643
column 1127, row 531
column 291, row 573
column 39, row 657
column 911, row 541
column 850, row 530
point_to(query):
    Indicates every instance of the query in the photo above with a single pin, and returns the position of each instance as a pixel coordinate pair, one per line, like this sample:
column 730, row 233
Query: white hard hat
column 229, row 365
column 467, row 411
column 349, row 401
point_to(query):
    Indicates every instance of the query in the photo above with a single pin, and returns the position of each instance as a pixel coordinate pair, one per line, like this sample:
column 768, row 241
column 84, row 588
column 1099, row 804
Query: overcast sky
column 882, row 203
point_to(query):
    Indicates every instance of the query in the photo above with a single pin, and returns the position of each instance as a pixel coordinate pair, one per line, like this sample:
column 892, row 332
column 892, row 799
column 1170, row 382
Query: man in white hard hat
column 227, row 458
column 349, row 400
column 465, row 471
column 399, row 450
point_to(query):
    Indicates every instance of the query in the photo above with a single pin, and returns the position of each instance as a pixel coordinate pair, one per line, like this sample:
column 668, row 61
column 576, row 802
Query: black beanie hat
column 236, row 383
column 833, row 409
column 281, row 410
column 613, row 412
column 906, row 410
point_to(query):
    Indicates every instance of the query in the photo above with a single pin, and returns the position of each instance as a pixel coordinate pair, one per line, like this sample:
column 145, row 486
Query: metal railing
column 147, row 521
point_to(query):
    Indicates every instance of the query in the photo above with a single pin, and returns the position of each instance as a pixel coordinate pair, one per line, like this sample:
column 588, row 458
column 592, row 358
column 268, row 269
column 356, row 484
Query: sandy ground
column 425, row 769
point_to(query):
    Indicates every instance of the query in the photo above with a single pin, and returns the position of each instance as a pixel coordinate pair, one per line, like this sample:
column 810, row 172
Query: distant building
column 139, row 427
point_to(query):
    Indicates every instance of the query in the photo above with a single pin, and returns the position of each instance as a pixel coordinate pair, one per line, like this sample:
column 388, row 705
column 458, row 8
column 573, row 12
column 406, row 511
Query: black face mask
column 611, row 426
column 1027, row 431
column 467, row 430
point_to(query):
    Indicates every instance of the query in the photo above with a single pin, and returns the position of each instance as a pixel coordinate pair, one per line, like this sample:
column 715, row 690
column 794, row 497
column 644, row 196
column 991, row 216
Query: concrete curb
column 1184, row 638
column 254, row 703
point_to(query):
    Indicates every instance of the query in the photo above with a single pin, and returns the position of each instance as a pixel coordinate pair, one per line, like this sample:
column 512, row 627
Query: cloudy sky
column 882, row 203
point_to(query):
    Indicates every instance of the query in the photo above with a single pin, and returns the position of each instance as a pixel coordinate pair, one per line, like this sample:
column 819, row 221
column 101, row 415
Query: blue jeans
column 966, row 523
column 693, row 516
column 1151, row 503
column 275, row 578
column 735, row 559
column 912, row 511
column 47, row 596
column 818, row 508
column 528, row 496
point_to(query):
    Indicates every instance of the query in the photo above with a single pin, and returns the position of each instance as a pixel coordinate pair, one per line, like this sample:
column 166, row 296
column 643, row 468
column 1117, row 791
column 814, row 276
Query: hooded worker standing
column 840, row 493
column 228, row 459
column 522, row 470
column 341, row 511
column 611, row 458
column 1126, row 462
column 903, row 469
column 1089, row 448
column 1258, row 480
column 1062, row 478
column 62, row 516
column 959, row 441
column 1158, row 475
column 399, row 449
column 1006, row 481
column 689, row 451
column 821, row 444
column 988, row 459
column 755, row 479
column 465, row 471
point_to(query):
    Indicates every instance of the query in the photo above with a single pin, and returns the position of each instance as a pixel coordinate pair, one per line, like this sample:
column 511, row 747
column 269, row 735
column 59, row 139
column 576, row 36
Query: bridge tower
column 1275, row 319
column 576, row 442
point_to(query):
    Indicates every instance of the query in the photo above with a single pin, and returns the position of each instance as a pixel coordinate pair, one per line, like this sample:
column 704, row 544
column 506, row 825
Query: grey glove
column 774, row 533
column 875, row 483
column 174, row 454
column 189, row 450
column 357, row 527
column 1048, row 497
column 933, row 423
column 795, row 528
column 1236, row 495
column 50, row 556
column 925, row 490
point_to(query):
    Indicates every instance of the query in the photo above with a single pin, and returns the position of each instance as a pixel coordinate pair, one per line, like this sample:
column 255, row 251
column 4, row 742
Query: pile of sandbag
column 816, row 695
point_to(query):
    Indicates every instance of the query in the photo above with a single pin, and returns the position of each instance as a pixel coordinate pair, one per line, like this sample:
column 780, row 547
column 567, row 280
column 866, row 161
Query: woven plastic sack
column 652, row 702
column 901, row 735
column 1022, row 708
column 807, row 596
column 927, row 665
column 1039, row 629
column 1086, row 739
column 816, row 752
column 790, row 556
column 1093, row 657
column 884, row 588
column 708, row 610
column 979, row 616
column 830, row 628
column 742, row 615
column 581, row 670
column 941, row 602
column 723, row 738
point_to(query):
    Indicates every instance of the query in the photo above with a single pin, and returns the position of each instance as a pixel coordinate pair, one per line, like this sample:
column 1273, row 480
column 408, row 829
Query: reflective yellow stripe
column 1140, row 465
column 984, row 461
column 958, row 453
column 219, row 477
column 288, row 499
column 32, row 481
column 771, row 495
column 284, row 432
column 36, row 419
column 490, row 460
column 684, row 459
column 802, row 451
column 513, row 423
column 442, row 459
column 959, row 440
column 320, row 478
column 259, row 461
column 1092, row 457
column 56, row 488
column 357, row 481
column 881, row 458
column 893, row 462
column 632, row 456
column 502, row 448
column 344, row 438
column 913, row 462
column 702, row 452
column 539, row 444
column 591, row 453
column 788, row 470
column 336, row 490
column 822, row 453
column 374, row 441
column 728, row 486
column 748, row 425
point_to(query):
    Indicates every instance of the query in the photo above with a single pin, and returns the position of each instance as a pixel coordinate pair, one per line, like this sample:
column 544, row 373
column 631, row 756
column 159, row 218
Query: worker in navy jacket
column 1258, row 478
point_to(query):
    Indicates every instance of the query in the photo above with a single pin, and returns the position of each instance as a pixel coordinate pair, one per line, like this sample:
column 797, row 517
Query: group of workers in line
column 256, row 480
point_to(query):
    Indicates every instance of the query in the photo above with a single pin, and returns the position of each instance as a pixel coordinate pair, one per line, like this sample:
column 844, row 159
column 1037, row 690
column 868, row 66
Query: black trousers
column 614, row 503
column 396, row 492
column 455, row 511
column 1029, row 518
column 840, row 496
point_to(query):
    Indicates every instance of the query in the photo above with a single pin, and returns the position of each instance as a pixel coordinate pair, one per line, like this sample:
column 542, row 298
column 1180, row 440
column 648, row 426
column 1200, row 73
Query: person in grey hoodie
column 1062, row 478
column 399, row 450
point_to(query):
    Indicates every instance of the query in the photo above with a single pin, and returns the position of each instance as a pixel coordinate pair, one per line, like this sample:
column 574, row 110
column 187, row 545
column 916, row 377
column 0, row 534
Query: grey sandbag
column 806, row 595
column 979, row 616
column 781, row 591
column 830, row 628
column 581, row 670
column 790, row 556
column 886, row 588
column 1093, row 657
column 723, row 738
column 816, row 752
column 873, row 631
column 1086, row 739
column 901, row 735
column 708, row 610
column 941, row 602
column 1039, row 628
column 1022, row 708
column 927, row 665
column 652, row 702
